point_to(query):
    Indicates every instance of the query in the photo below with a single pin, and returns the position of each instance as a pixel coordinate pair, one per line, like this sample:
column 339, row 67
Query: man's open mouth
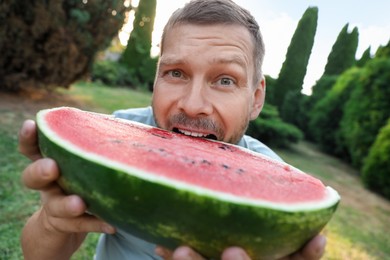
column 194, row 134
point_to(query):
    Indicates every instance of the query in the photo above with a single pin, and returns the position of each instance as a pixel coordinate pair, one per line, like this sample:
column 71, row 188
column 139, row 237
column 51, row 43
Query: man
column 209, row 84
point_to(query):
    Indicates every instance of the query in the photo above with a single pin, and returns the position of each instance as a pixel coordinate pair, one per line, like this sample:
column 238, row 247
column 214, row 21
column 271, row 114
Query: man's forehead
column 168, row 59
column 219, row 33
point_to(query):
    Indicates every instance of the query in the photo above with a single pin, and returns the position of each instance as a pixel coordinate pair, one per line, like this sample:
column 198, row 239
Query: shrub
column 112, row 73
column 327, row 113
column 367, row 109
column 46, row 44
column 270, row 129
column 376, row 169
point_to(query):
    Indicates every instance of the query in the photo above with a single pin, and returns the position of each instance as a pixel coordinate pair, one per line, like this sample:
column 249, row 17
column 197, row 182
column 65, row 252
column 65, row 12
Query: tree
column 367, row 109
column 366, row 56
column 342, row 55
column 383, row 51
column 137, row 53
column 376, row 169
column 46, row 44
column 294, row 67
column 270, row 129
column 327, row 113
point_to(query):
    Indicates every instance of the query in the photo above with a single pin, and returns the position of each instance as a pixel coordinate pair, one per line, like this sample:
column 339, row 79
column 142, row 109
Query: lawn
column 359, row 230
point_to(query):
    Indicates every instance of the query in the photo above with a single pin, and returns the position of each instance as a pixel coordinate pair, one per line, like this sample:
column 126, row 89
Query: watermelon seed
column 240, row 171
column 225, row 166
column 226, row 147
column 223, row 147
column 204, row 161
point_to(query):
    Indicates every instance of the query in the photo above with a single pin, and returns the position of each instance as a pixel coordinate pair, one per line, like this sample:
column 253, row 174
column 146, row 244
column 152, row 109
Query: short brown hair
column 206, row 12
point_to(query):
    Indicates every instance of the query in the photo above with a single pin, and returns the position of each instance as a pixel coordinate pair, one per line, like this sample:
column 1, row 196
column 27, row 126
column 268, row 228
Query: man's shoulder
column 143, row 115
column 257, row 146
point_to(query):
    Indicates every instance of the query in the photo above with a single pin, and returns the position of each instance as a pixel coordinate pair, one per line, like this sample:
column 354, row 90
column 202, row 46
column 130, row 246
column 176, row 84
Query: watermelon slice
column 171, row 189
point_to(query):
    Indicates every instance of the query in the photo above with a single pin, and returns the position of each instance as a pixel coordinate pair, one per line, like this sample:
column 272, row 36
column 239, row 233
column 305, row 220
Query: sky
column 278, row 20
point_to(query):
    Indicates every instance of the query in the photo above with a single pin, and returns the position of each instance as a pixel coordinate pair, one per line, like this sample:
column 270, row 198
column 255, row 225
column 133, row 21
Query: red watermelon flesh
column 193, row 161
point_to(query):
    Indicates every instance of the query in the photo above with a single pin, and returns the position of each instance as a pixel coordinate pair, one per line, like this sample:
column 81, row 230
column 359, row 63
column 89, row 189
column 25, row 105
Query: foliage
column 376, row 169
column 383, row 51
column 294, row 109
column 366, row 56
column 342, row 55
column 112, row 73
column 294, row 67
column 326, row 115
column 137, row 53
column 271, row 130
column 367, row 109
column 270, row 87
column 46, row 44
column 322, row 87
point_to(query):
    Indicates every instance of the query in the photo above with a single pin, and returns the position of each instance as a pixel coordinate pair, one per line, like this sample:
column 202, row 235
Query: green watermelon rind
column 160, row 213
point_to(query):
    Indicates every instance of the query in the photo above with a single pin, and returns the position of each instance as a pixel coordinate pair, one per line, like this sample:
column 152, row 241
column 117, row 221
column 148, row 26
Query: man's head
column 207, row 12
column 209, row 81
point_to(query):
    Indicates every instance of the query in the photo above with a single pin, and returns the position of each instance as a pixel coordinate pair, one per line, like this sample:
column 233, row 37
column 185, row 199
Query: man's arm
column 59, row 227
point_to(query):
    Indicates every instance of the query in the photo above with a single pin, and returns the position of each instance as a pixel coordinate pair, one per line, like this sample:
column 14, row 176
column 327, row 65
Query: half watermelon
column 171, row 189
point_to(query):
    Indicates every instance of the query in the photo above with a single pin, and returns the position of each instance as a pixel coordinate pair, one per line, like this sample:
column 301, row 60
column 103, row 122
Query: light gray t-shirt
column 123, row 245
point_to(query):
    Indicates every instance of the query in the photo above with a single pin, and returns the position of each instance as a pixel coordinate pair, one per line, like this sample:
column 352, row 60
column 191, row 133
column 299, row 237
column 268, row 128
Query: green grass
column 107, row 99
column 359, row 229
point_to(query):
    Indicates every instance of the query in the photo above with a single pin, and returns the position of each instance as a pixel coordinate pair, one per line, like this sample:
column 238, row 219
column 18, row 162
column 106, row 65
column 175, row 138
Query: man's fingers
column 313, row 250
column 186, row 253
column 28, row 141
column 62, row 206
column 82, row 224
column 163, row 252
column 234, row 253
column 40, row 174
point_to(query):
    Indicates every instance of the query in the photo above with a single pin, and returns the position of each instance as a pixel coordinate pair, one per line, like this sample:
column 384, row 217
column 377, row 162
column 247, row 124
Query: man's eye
column 226, row 81
column 175, row 73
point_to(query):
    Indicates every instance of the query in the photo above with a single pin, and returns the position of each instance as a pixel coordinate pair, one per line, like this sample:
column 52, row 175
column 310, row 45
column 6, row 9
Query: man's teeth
column 193, row 134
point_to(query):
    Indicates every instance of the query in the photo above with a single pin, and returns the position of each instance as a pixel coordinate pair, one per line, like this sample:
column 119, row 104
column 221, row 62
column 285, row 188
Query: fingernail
column 322, row 242
column 108, row 229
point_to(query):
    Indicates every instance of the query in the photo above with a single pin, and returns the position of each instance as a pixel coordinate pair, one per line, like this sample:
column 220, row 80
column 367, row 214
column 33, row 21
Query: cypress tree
column 341, row 58
column 366, row 56
column 294, row 67
column 137, row 53
column 342, row 55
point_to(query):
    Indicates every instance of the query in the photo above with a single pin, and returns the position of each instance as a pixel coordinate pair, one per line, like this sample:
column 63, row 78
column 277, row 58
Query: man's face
column 204, row 84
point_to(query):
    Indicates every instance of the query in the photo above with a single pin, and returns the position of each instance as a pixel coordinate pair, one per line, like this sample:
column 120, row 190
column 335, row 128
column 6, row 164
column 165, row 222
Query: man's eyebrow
column 230, row 60
column 167, row 61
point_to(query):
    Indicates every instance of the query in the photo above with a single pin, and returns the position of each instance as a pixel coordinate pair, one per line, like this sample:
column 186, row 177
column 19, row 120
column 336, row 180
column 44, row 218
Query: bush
column 271, row 130
column 367, row 110
column 327, row 113
column 376, row 169
column 112, row 73
column 46, row 44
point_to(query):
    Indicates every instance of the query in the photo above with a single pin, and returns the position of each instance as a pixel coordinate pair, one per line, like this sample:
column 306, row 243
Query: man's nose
column 195, row 100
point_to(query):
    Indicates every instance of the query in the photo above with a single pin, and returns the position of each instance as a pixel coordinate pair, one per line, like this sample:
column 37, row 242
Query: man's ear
column 258, row 99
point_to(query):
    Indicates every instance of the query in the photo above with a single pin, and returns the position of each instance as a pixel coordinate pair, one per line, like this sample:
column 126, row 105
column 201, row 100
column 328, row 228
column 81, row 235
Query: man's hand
column 59, row 227
column 313, row 250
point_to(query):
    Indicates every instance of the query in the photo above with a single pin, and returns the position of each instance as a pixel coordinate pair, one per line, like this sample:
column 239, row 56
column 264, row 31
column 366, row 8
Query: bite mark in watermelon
column 171, row 189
